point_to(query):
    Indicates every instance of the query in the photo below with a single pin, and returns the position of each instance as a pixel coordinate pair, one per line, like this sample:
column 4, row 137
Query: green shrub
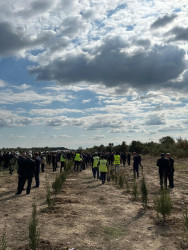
column 112, row 176
column 116, row 178
column 34, row 234
column 135, row 190
column 185, row 219
column 163, row 204
column 144, row 193
column 126, row 183
column 63, row 177
column 4, row 240
column 49, row 200
column 121, row 181
column 57, row 185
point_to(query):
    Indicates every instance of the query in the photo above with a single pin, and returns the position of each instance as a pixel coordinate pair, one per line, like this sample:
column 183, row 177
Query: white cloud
column 96, row 137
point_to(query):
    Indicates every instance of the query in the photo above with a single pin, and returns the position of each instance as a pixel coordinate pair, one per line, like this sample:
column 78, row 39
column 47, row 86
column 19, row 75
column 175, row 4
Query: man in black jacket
column 163, row 164
column 170, row 170
column 28, row 172
column 20, row 162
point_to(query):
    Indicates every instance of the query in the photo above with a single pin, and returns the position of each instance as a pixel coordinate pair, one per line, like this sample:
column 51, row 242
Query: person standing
column 129, row 159
column 136, row 163
column 54, row 162
column 37, row 171
column 62, row 161
column 103, row 168
column 163, row 165
column 123, row 157
column 77, row 160
column 117, row 159
column 20, row 163
column 27, row 172
column 170, row 173
column 95, row 168
column 43, row 163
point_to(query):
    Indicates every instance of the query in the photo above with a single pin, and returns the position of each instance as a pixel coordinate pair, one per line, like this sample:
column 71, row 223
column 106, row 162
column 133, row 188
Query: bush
column 163, row 204
column 112, row 176
column 126, row 183
column 57, row 185
column 116, row 178
column 50, row 202
column 144, row 193
column 185, row 219
column 4, row 240
column 121, row 181
column 63, row 177
column 135, row 190
column 34, row 233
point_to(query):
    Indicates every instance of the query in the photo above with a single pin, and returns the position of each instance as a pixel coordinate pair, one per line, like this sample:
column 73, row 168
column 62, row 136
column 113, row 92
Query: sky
column 79, row 73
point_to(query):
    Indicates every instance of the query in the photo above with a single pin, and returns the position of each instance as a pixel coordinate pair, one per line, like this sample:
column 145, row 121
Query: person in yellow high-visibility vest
column 117, row 160
column 103, row 168
column 62, row 161
column 77, row 160
column 95, row 168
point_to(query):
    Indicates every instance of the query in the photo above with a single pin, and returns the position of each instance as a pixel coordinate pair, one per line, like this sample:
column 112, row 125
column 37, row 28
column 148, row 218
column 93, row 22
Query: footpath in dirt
column 87, row 215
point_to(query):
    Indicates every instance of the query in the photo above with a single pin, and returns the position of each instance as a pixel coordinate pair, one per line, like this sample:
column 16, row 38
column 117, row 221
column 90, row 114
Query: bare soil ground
column 88, row 215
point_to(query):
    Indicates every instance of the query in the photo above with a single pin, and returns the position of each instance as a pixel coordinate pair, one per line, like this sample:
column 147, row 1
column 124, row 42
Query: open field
column 88, row 215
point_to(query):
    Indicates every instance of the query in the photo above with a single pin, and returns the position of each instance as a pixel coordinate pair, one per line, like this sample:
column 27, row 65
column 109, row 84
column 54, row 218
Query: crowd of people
column 30, row 164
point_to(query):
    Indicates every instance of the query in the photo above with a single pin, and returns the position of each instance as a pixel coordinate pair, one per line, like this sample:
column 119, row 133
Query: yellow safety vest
column 95, row 161
column 62, row 159
column 77, row 157
column 103, row 166
column 116, row 159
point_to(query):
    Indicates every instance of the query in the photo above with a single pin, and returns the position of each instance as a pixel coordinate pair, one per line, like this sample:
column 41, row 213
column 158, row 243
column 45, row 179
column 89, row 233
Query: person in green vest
column 117, row 160
column 95, row 168
column 77, row 160
column 103, row 168
column 62, row 161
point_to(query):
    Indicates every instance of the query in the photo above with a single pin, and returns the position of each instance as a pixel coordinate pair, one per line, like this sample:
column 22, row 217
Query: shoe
column 17, row 193
column 36, row 187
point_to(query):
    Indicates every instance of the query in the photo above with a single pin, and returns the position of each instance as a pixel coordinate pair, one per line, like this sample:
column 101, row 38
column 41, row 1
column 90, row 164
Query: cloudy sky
column 89, row 72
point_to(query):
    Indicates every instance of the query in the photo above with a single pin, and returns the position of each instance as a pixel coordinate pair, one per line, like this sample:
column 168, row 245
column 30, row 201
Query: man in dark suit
column 170, row 170
column 27, row 172
column 163, row 164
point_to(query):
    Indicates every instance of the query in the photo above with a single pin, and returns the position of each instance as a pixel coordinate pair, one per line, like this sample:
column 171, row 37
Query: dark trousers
column 23, row 181
column 76, row 166
column 124, row 161
column 103, row 177
column 20, row 181
column 163, row 179
column 54, row 166
column 37, row 179
column 136, row 171
column 95, row 171
column 171, row 179
column 62, row 166
column 129, row 162
column 42, row 167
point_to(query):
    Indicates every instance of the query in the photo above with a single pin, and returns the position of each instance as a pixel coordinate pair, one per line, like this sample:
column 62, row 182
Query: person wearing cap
column 163, row 165
column 170, row 173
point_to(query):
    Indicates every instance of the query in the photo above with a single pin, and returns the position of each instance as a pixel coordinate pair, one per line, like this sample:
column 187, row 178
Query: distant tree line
column 179, row 148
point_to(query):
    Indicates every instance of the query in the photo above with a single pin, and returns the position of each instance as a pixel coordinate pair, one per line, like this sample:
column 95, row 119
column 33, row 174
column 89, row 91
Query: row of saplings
column 34, row 233
column 162, row 203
